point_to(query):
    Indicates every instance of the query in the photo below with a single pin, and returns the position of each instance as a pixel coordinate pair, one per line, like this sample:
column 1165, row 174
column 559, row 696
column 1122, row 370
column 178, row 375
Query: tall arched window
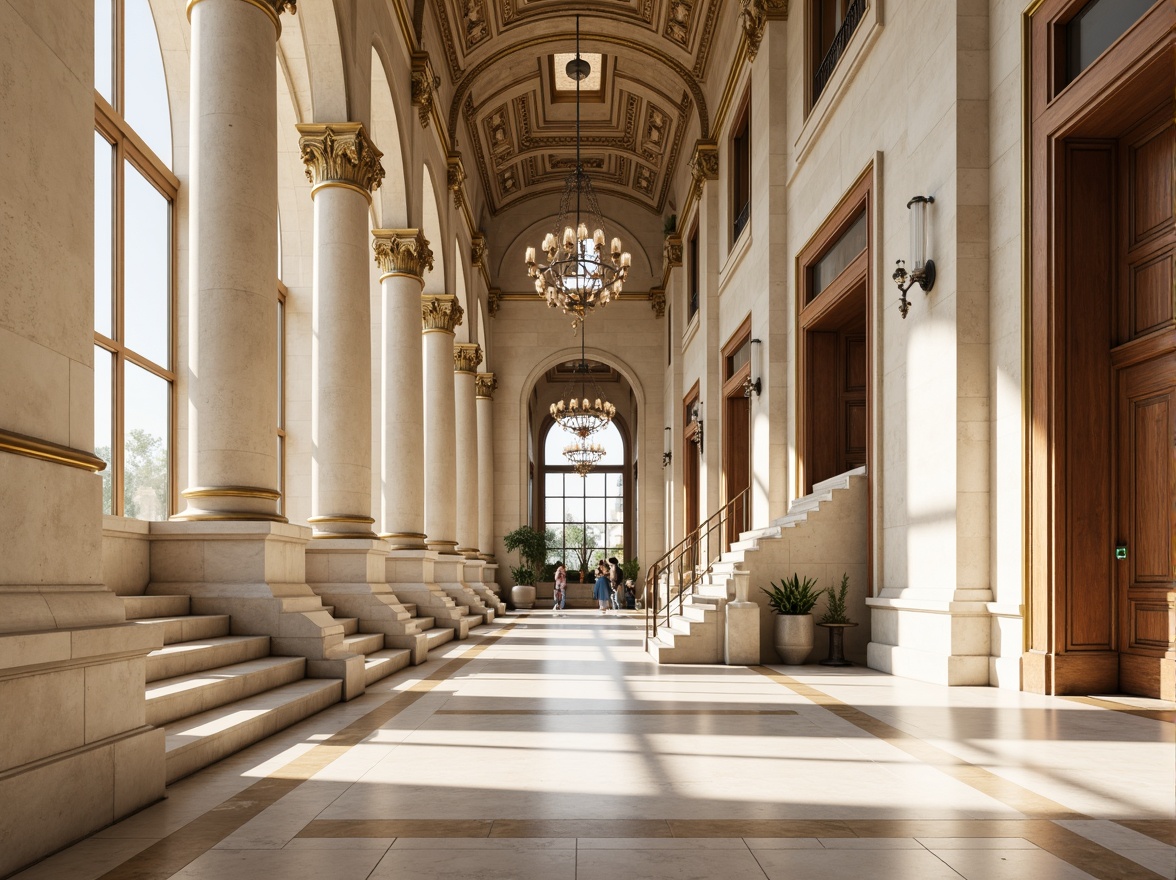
column 586, row 514
column 134, row 196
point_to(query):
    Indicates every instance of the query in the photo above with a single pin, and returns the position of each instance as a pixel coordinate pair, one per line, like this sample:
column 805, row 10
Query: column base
column 473, row 576
column 448, row 574
column 952, row 632
column 78, row 755
column 410, row 577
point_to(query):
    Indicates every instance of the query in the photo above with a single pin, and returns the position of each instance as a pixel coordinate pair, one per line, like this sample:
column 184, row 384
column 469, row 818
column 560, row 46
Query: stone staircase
column 821, row 535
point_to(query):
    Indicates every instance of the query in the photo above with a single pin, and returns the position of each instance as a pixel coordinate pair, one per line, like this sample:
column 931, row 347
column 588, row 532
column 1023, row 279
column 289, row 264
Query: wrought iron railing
column 676, row 576
column 853, row 16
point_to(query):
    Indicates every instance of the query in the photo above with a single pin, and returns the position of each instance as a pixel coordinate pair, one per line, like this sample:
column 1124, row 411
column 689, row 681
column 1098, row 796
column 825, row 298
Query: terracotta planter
column 794, row 637
column 522, row 596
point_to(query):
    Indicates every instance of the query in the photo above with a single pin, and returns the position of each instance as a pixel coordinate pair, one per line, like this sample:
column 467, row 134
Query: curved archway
column 434, row 229
column 464, row 331
column 391, row 199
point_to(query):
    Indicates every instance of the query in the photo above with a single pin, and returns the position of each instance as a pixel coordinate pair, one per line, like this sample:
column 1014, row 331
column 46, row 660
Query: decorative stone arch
column 323, row 51
column 433, row 225
column 461, row 289
column 391, row 201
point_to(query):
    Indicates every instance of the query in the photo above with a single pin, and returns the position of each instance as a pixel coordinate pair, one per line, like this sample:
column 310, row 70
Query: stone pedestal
column 473, row 575
column 952, row 632
column 256, row 573
column 410, row 577
column 448, row 574
column 741, row 638
column 350, row 575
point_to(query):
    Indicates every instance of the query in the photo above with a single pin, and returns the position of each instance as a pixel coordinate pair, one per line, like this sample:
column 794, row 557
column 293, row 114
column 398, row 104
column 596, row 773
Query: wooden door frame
column 733, row 387
column 690, row 448
column 860, row 271
column 1106, row 92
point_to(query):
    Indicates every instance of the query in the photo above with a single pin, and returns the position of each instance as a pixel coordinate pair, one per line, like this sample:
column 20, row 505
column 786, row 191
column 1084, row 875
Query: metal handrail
column 690, row 560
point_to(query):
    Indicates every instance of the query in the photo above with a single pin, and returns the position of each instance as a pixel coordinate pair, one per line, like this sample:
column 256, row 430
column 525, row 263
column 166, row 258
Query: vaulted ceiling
column 510, row 116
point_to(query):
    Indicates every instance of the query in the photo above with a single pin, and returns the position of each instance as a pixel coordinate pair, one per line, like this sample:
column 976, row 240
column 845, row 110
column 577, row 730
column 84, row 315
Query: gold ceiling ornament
column 425, row 84
column 704, row 165
column 466, row 357
column 583, row 456
column 577, row 277
column 672, row 252
column 440, row 312
column 657, row 301
column 477, row 249
column 340, row 153
column 402, row 252
column 485, row 384
column 493, row 301
column 455, row 177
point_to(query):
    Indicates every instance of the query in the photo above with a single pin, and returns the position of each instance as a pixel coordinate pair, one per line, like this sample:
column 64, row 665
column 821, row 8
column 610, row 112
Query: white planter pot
column 794, row 637
column 524, row 597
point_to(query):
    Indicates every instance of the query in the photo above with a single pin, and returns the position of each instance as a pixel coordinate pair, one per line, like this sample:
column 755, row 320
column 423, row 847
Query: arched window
column 587, row 515
column 134, row 197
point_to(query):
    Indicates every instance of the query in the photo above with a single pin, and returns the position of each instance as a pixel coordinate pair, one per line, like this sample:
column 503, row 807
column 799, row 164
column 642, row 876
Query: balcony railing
column 853, row 17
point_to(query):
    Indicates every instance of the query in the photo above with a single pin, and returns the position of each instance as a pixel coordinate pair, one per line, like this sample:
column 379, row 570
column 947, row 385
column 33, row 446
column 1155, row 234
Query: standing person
column 600, row 591
column 616, row 582
column 561, row 586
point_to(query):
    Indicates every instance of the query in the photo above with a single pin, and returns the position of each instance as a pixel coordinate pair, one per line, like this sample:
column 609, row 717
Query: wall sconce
column 754, row 381
column 923, row 271
column 667, row 453
column 696, row 417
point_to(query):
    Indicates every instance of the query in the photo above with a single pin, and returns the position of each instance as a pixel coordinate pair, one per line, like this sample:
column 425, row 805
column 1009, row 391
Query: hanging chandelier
column 578, row 275
column 578, row 414
column 584, row 456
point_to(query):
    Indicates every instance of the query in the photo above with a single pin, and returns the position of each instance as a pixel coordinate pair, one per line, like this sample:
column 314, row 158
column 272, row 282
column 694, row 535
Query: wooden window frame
column 740, row 145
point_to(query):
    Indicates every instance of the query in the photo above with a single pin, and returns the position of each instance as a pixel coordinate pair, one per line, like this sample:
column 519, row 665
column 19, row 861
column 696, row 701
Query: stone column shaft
column 466, row 358
column 440, row 315
column 485, row 384
column 344, row 167
column 403, row 256
column 232, row 333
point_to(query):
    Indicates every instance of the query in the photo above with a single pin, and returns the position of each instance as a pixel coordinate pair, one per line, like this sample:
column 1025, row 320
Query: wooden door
column 1146, row 578
column 736, row 455
column 836, row 369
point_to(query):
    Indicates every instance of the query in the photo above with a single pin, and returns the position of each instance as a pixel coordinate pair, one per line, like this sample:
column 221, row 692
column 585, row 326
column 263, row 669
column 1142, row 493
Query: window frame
column 740, row 143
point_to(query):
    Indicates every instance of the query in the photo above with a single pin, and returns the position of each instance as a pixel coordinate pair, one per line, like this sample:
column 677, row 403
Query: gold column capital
column 440, row 312
column 672, row 252
column 477, row 249
column 402, row 252
column 754, row 15
column 424, row 86
column 466, row 357
column 493, row 300
column 657, row 301
column 340, row 154
column 455, row 177
column 485, row 384
column 704, row 165
column 272, row 8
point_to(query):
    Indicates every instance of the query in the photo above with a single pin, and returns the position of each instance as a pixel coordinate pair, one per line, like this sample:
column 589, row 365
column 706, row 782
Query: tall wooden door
column 736, row 457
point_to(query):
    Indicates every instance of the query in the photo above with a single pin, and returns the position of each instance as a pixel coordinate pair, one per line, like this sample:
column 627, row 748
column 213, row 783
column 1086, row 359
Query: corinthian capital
column 424, row 86
column 272, row 8
column 485, row 384
column 466, row 357
column 754, row 15
column 340, row 154
column 704, row 165
column 402, row 252
column 440, row 312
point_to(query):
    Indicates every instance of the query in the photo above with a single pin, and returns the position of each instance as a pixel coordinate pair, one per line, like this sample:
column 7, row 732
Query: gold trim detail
column 420, row 535
column 228, row 517
column 340, row 153
column 45, row 450
column 493, row 301
column 455, row 177
column 671, row 253
column 440, row 311
column 272, row 8
column 402, row 252
column 232, row 492
column 754, row 16
column 485, row 384
column 340, row 518
column 425, row 84
column 704, row 166
column 466, row 357
column 477, row 250
column 657, row 301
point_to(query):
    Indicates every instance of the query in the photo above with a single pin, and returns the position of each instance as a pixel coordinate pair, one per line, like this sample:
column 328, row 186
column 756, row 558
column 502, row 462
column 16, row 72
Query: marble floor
column 550, row 747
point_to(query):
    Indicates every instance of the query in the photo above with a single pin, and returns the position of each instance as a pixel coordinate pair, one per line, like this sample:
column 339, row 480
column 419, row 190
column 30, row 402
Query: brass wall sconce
column 697, row 419
column 668, row 453
column 923, row 270
column 754, row 381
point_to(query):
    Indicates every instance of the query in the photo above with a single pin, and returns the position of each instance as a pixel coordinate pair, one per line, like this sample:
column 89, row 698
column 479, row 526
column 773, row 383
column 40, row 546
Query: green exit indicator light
column 1121, row 551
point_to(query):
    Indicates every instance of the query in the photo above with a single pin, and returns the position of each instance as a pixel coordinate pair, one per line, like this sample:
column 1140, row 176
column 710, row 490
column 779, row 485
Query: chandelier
column 584, row 456
column 578, row 414
column 578, row 276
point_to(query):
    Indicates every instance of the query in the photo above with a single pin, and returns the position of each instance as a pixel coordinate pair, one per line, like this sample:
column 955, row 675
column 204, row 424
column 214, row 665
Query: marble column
column 343, row 166
column 484, row 387
column 403, row 256
column 440, row 316
column 466, row 358
column 233, row 216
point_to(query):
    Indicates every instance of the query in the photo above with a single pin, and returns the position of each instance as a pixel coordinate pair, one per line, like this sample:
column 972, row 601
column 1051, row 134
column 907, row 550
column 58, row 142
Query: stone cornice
column 402, row 252
column 440, row 312
column 485, row 384
column 466, row 357
column 340, row 154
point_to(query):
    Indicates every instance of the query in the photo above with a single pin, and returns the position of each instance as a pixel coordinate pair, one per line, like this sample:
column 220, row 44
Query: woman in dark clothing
column 601, row 591
column 616, row 582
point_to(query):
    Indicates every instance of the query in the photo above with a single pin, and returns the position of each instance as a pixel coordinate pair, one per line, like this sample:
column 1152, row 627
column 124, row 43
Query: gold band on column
column 46, row 450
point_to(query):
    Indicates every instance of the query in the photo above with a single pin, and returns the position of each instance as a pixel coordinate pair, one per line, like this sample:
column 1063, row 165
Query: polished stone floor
column 550, row 747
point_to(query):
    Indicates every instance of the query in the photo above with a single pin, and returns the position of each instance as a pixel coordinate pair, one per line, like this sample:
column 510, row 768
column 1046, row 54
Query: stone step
column 473, row 620
column 364, row 643
column 189, row 627
column 199, row 740
column 172, row 698
column 410, row 607
column 424, row 624
column 383, row 663
column 439, row 635
column 350, row 625
column 141, row 607
column 189, row 657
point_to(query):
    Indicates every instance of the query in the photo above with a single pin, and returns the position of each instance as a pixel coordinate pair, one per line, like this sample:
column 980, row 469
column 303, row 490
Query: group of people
column 609, row 591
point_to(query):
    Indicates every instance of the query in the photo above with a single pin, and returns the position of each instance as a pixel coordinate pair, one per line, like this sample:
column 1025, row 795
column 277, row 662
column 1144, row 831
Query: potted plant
column 836, row 620
column 793, row 600
column 532, row 546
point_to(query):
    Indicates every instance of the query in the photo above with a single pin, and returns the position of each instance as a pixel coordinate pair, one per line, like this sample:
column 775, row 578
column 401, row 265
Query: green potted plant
column 532, row 546
column 793, row 600
column 836, row 621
